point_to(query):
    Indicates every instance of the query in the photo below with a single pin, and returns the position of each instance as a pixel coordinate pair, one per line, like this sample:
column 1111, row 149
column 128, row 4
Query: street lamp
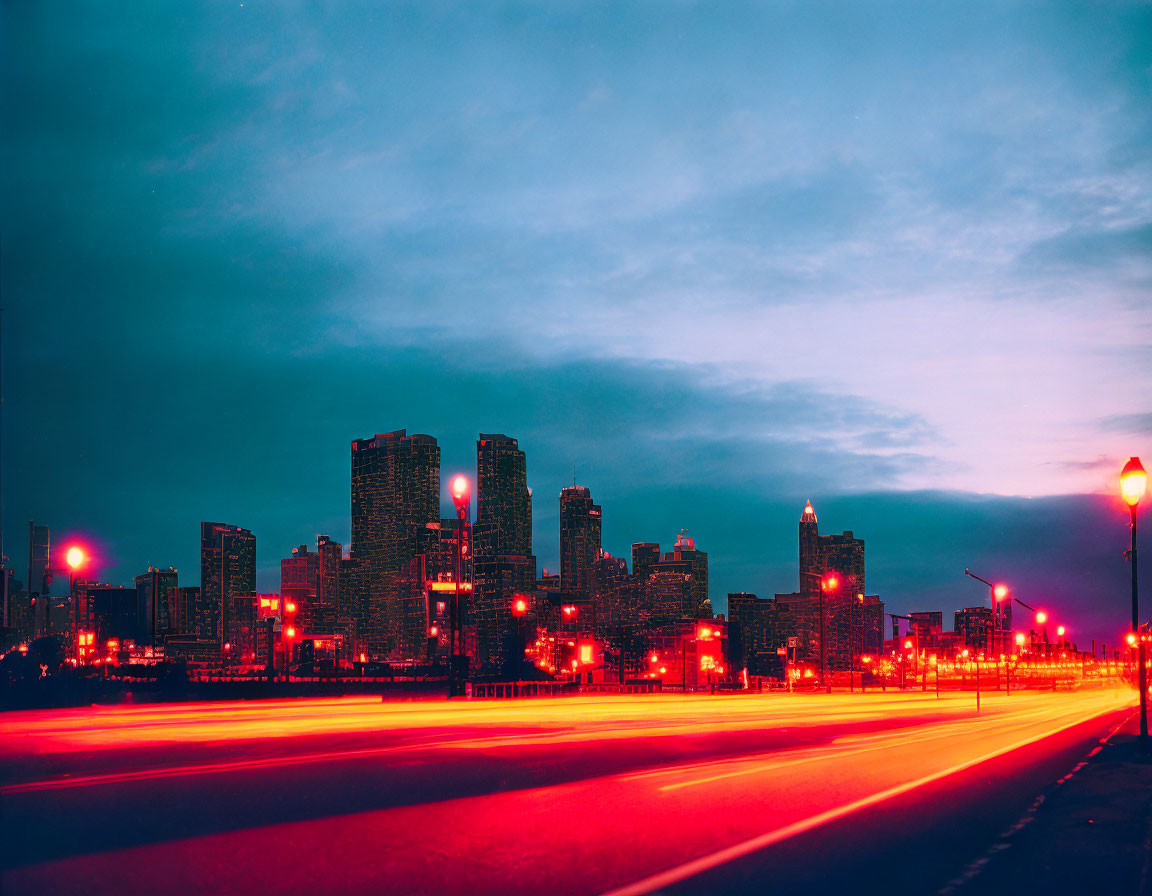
column 461, row 494
column 1133, row 482
column 999, row 592
column 830, row 583
column 75, row 558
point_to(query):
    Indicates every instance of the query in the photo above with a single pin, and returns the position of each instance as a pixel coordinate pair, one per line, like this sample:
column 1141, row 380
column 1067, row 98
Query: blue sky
column 720, row 259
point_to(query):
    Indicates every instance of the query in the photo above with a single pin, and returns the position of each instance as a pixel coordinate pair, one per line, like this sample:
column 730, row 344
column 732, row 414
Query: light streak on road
column 687, row 782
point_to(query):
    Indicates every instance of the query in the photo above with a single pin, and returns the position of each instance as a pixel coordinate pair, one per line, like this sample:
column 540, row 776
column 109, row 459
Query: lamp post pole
column 829, row 583
column 1141, row 651
column 1133, row 482
column 461, row 495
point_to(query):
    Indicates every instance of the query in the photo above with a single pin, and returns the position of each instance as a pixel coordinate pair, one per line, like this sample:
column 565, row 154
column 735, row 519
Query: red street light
column 75, row 557
column 461, row 491
column 830, row 583
column 1059, row 631
column 519, row 607
column 1001, row 592
column 1041, row 617
column 1133, row 482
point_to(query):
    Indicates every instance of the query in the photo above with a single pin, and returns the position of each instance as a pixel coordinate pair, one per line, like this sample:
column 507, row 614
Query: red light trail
column 720, row 777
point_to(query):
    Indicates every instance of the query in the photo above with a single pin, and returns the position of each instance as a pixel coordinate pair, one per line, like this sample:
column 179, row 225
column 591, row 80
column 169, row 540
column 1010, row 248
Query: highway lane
column 579, row 795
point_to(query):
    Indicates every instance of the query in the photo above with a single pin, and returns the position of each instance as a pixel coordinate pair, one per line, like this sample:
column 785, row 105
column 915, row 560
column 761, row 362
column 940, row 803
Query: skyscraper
column 155, row 605
column 395, row 488
column 395, row 492
column 685, row 557
column 504, row 564
column 227, row 568
column 39, row 543
column 299, row 580
column 580, row 522
column 645, row 556
column 810, row 570
column 327, row 586
column 504, row 502
column 820, row 554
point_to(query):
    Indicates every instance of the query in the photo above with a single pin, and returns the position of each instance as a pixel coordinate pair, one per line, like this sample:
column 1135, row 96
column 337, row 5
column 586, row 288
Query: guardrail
column 506, row 690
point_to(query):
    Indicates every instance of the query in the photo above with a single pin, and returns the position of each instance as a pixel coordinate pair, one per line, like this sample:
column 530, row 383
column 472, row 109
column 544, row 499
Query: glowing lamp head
column 461, row 490
column 1131, row 640
column 1060, row 631
column 1133, row 481
column 1020, row 640
column 1041, row 617
column 830, row 583
column 1001, row 592
column 519, row 607
column 75, row 557
column 907, row 645
column 433, row 632
column 290, row 632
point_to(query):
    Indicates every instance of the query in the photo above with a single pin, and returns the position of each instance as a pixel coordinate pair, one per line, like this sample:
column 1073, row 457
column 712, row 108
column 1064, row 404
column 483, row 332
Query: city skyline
column 269, row 570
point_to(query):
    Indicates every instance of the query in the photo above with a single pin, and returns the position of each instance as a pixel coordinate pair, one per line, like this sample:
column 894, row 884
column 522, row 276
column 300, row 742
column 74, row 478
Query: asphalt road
column 583, row 795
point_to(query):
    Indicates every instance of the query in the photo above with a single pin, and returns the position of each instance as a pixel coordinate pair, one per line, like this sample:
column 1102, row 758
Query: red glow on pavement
column 386, row 849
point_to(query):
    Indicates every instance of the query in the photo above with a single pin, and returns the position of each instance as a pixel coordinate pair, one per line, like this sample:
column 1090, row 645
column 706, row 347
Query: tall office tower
column 820, row 554
column 844, row 555
column 580, row 521
column 299, row 581
column 155, row 605
column 645, row 556
column 504, row 501
column 810, row 571
column 696, row 564
column 227, row 568
column 327, row 584
column 39, row 542
column 668, row 594
column 614, row 603
column 501, row 628
column 352, row 599
column 184, row 601
column 753, row 634
column 395, row 492
column 110, row 613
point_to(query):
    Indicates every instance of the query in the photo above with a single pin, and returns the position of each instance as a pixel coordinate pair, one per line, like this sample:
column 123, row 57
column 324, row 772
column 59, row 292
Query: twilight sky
column 895, row 258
